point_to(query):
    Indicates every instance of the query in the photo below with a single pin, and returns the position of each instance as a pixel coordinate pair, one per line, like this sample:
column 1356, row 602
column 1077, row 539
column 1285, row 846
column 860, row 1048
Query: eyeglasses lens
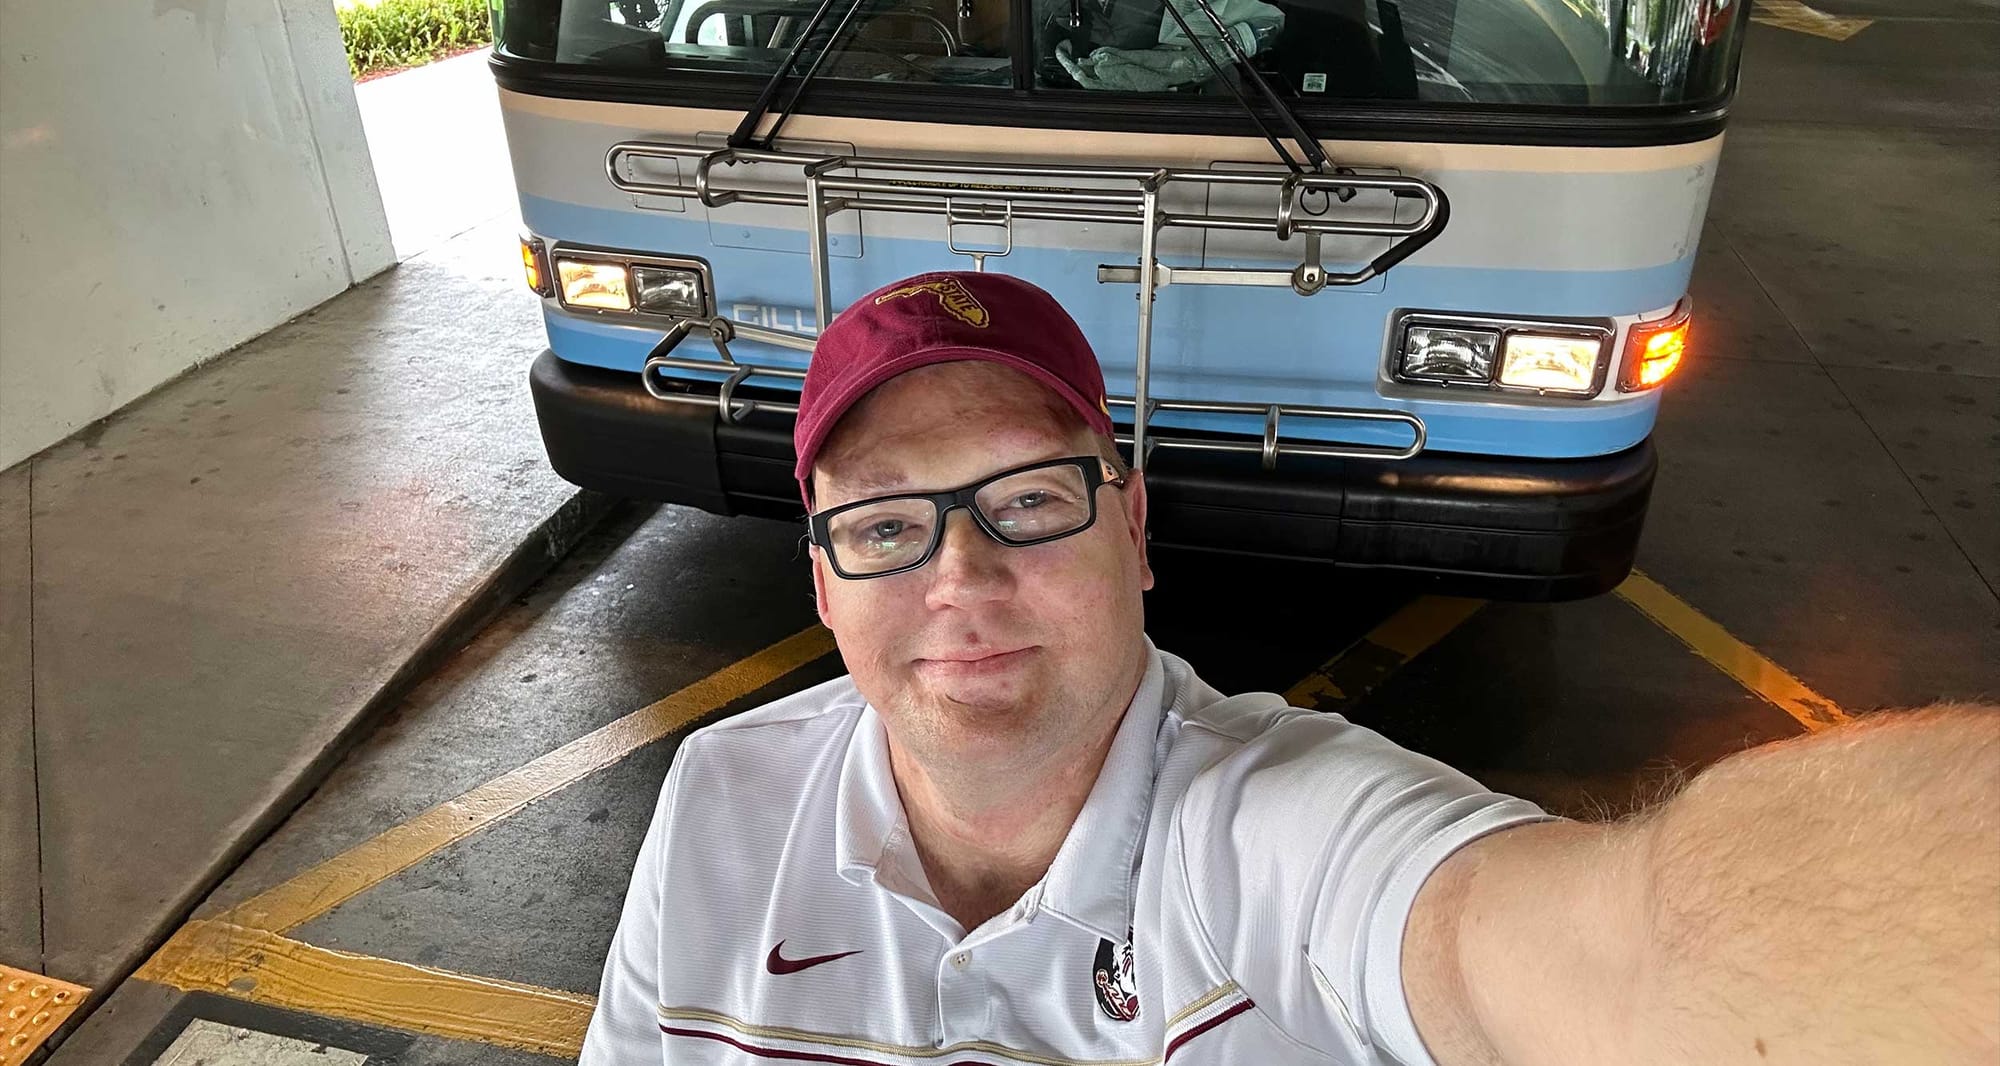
column 1029, row 506
column 1035, row 504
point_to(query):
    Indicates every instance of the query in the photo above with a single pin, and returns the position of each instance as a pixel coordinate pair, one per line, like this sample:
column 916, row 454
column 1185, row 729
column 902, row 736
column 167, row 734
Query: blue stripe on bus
column 1476, row 426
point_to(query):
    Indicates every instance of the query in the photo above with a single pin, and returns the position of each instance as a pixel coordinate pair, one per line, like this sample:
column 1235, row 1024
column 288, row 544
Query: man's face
column 986, row 652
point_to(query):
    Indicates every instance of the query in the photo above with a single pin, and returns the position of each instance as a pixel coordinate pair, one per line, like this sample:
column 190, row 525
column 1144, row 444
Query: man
column 1019, row 833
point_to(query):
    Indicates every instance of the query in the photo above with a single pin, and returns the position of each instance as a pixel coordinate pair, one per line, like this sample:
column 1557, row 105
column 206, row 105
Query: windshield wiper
column 746, row 130
column 1308, row 144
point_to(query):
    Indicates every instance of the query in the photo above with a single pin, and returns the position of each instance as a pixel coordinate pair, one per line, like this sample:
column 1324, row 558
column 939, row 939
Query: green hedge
column 408, row 33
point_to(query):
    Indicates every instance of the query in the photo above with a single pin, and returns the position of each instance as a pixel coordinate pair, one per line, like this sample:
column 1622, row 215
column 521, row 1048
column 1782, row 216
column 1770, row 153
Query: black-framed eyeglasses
column 1026, row 505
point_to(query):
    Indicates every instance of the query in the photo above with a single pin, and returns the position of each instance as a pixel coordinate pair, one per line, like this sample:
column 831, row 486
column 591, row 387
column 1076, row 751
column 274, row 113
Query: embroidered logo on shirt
column 1117, row 989
column 778, row 964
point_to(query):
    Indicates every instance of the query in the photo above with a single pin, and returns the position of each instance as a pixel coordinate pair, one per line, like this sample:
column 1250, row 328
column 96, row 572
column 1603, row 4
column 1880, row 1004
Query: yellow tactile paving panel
column 31, row 1007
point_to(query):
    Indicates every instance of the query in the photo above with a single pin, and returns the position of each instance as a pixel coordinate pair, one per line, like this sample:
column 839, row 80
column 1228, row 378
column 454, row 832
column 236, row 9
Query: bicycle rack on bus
column 1036, row 191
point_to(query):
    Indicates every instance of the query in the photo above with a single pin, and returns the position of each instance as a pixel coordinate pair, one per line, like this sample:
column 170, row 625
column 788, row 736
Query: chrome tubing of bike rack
column 816, row 250
column 1148, row 246
column 1052, row 204
column 1268, row 444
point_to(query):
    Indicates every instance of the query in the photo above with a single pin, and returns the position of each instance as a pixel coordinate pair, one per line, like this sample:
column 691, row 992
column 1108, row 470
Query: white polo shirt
column 1233, row 891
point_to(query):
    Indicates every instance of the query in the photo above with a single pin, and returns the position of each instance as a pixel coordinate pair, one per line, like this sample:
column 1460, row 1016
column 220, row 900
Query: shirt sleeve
column 625, row 1027
column 1360, row 922
column 1319, row 833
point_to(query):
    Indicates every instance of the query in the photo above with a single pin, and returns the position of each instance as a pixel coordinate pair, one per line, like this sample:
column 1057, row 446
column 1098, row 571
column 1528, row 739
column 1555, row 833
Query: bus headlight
column 1439, row 353
column 634, row 283
column 1551, row 357
column 1551, row 362
column 669, row 291
column 597, row 285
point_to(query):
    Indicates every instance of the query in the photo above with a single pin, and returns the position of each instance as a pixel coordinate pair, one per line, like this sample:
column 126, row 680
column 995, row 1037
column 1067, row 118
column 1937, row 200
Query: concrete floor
column 1828, row 493
column 201, row 594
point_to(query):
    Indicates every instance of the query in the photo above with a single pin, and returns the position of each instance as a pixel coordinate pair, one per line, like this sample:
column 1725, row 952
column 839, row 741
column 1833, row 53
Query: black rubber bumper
column 1523, row 529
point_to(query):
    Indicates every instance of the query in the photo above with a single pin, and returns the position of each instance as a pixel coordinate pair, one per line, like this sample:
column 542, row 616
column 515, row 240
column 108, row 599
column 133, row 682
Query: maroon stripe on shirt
column 1175, row 1044
column 841, row 1060
column 780, row 1053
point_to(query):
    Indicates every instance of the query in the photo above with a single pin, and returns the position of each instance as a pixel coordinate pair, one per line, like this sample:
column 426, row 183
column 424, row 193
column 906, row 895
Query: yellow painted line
column 263, row 967
column 1797, row 17
column 341, row 878
column 1361, row 667
column 32, row 1007
column 1731, row 656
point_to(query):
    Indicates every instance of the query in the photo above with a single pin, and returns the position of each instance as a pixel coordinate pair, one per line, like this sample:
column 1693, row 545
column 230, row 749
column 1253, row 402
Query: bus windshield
column 1611, row 53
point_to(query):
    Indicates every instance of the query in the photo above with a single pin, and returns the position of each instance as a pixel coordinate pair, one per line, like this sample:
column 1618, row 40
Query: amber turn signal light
column 1654, row 350
column 534, row 264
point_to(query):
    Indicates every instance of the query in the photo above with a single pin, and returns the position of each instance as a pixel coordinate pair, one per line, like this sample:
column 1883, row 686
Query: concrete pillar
column 176, row 177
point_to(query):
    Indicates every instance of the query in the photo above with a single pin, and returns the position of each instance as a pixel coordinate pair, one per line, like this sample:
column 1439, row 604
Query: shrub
column 406, row 33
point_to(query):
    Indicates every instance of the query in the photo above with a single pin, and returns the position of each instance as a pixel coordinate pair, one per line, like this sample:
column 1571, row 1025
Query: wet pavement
column 1829, row 495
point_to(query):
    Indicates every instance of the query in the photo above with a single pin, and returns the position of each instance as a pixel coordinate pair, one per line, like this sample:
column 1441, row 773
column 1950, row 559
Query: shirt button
column 961, row 960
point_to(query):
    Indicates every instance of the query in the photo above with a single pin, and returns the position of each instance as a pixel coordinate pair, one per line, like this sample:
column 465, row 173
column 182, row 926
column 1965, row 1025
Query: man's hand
column 1830, row 899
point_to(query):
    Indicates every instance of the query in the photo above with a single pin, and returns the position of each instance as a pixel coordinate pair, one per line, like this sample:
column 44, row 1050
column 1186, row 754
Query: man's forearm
column 1831, row 899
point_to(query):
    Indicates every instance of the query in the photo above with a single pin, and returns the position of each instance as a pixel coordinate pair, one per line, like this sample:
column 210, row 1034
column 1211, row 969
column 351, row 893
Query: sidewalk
column 203, row 597
column 440, row 151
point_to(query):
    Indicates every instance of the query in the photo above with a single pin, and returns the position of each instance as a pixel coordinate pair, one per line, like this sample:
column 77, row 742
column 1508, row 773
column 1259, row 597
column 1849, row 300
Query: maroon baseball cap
column 939, row 318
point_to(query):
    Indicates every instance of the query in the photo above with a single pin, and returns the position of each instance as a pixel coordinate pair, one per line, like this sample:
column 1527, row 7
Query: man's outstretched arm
column 1830, row 899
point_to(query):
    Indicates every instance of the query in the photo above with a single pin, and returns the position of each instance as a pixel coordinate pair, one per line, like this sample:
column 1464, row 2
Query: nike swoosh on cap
column 779, row 964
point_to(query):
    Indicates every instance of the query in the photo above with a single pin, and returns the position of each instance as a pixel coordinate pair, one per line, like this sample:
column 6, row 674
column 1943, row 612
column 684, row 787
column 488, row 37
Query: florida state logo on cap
column 1111, row 977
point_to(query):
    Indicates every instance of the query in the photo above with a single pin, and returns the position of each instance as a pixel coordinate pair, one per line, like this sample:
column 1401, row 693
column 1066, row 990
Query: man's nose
column 969, row 567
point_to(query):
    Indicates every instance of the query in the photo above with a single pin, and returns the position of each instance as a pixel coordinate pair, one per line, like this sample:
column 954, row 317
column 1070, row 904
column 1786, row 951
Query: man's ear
column 819, row 584
column 1135, row 517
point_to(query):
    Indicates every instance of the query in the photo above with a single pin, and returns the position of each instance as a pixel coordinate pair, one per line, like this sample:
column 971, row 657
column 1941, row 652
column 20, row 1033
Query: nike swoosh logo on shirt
column 778, row 964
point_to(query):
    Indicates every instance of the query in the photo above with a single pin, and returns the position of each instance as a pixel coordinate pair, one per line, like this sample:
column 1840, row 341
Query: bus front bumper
column 1505, row 528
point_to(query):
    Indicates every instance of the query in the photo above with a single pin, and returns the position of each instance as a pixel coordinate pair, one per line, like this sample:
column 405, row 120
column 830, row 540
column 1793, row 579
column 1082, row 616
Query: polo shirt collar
column 1090, row 884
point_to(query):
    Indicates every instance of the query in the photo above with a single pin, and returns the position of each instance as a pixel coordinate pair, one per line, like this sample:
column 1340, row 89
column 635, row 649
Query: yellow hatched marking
column 1797, row 17
column 1709, row 640
column 341, row 878
column 1345, row 679
column 32, row 1007
column 263, row 967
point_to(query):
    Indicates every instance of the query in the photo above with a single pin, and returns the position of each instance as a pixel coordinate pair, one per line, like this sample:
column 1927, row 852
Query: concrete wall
column 176, row 177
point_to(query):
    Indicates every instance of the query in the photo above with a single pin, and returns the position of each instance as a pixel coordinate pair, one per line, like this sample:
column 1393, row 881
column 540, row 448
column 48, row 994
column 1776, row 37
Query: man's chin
column 990, row 698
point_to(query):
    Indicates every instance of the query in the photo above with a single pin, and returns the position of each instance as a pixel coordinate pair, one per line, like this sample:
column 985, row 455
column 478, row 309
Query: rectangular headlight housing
column 608, row 280
column 1446, row 354
column 1551, row 362
column 1545, row 357
column 595, row 284
column 664, row 290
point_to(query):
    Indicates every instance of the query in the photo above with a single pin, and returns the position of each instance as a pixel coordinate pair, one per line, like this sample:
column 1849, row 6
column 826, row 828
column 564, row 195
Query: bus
column 1389, row 284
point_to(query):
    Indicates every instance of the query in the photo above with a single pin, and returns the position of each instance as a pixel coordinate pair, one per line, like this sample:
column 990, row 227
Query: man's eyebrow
column 874, row 483
column 869, row 482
